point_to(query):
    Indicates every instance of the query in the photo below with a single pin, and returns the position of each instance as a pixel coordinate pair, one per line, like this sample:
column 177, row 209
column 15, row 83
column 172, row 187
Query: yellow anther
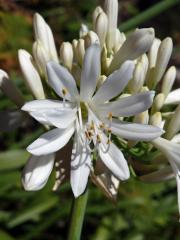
column 102, row 126
column 109, row 130
column 108, row 141
column 92, row 126
column 98, row 138
column 110, row 116
column 64, row 91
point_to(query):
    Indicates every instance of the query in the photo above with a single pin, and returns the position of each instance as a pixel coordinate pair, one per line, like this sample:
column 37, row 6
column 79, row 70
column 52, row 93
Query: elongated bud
column 74, row 46
column 152, row 54
column 91, row 38
column 173, row 97
column 96, row 12
column 145, row 63
column 101, row 80
column 66, row 54
column 136, row 44
column 137, row 81
column 41, row 57
column 10, row 89
column 30, row 74
column 158, row 103
column 119, row 40
column 168, row 80
column 142, row 117
column 163, row 56
column 44, row 34
column 80, row 51
column 76, row 72
column 111, row 9
column 156, row 119
column 83, row 30
column 101, row 27
column 174, row 124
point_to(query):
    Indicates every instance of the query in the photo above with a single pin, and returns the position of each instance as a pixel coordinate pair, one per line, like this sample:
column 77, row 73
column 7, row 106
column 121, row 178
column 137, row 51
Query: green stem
column 148, row 14
column 77, row 216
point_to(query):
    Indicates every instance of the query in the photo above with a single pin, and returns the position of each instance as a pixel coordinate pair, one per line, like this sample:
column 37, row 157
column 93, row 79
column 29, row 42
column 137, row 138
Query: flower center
column 84, row 111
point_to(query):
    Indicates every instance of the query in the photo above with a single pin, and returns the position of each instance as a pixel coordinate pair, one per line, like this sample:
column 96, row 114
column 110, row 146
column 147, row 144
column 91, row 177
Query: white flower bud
column 44, row 34
column 66, row 54
column 111, row 9
column 156, row 119
column 168, row 80
column 91, row 38
column 137, row 81
column 96, row 12
column 83, row 30
column 74, row 46
column 10, row 90
column 142, row 117
column 173, row 97
column 136, row 44
column 158, row 103
column 119, row 40
column 101, row 27
column 76, row 72
column 174, row 124
column 163, row 56
column 31, row 75
column 152, row 54
column 80, row 51
column 41, row 57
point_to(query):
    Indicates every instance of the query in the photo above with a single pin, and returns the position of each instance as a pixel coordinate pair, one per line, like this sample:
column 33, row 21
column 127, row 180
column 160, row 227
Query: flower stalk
column 77, row 216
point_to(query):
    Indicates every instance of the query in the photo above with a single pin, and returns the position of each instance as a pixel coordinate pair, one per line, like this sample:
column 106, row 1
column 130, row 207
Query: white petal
column 128, row 106
column 90, row 72
column 31, row 75
column 60, row 79
column 160, row 175
column 41, row 105
column 37, row 172
column 176, row 138
column 173, row 97
column 51, row 141
column 40, row 118
column 113, row 159
column 135, row 45
column 115, row 83
column 135, row 131
column 178, row 190
column 80, row 168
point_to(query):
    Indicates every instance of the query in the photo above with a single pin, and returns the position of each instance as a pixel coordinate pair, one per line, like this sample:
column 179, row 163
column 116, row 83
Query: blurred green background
column 143, row 211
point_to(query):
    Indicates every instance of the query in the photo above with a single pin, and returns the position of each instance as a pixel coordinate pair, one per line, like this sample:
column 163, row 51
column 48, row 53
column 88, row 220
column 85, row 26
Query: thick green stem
column 77, row 216
column 148, row 14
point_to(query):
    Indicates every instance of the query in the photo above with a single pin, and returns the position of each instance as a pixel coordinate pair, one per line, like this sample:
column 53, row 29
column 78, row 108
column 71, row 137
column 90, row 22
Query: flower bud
column 80, row 51
column 44, row 34
column 31, row 75
column 142, row 117
column 152, row 54
column 174, row 124
column 168, row 80
column 136, row 44
column 10, row 89
column 137, row 81
column 76, row 72
column 74, row 46
column 158, row 103
column 101, row 27
column 41, row 57
column 96, row 12
column 156, row 119
column 83, row 30
column 173, row 97
column 119, row 40
column 91, row 38
column 66, row 54
column 163, row 56
column 111, row 9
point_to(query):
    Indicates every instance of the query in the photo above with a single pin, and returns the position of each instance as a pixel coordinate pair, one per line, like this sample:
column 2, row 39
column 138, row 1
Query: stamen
column 110, row 116
column 64, row 92
column 98, row 138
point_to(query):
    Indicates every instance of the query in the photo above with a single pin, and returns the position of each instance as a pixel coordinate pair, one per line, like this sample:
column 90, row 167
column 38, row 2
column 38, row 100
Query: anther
column 64, row 91
column 110, row 116
column 98, row 138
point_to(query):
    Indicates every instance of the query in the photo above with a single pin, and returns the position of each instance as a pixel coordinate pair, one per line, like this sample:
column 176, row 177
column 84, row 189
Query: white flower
column 91, row 116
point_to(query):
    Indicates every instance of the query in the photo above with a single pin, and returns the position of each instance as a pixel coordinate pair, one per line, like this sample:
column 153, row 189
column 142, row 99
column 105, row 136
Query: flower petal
column 37, row 172
column 113, row 159
column 46, row 104
column 115, row 83
column 135, row 131
column 51, row 141
column 173, row 97
column 90, row 72
column 60, row 79
column 80, row 168
column 127, row 106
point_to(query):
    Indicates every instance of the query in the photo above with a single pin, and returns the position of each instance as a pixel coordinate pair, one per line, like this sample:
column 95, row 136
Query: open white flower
column 91, row 116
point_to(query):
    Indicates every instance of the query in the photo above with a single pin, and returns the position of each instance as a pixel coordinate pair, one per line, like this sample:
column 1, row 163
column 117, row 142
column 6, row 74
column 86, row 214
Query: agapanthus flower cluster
column 104, row 95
